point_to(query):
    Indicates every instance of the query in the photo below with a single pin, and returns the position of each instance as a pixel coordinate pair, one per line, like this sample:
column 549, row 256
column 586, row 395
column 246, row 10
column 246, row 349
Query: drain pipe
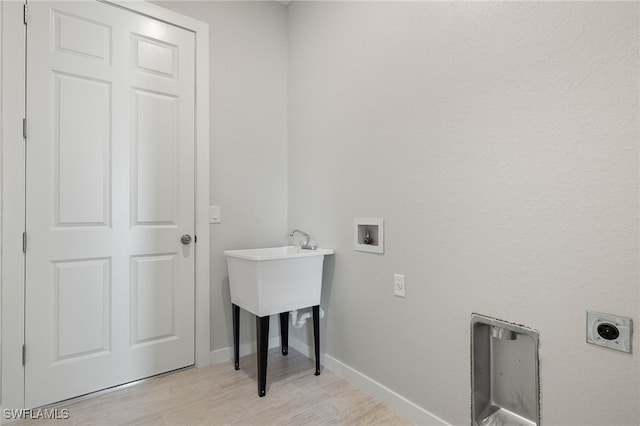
column 298, row 323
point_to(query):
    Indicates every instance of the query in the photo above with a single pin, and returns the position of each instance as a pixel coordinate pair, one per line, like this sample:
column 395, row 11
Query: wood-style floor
column 219, row 395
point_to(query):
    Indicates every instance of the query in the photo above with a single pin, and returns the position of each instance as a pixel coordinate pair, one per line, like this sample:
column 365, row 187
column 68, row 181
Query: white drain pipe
column 298, row 323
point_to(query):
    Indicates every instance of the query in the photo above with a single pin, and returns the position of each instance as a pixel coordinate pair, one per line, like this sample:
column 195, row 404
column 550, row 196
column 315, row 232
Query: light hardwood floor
column 219, row 395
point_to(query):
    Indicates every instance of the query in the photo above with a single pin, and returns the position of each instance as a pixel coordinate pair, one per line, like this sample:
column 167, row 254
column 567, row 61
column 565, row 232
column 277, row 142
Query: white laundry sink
column 269, row 281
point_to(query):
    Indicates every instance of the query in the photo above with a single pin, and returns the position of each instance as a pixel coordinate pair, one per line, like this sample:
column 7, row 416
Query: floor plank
column 219, row 395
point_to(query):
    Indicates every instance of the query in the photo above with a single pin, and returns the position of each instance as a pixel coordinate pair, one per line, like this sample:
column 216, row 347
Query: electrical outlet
column 399, row 285
column 610, row 331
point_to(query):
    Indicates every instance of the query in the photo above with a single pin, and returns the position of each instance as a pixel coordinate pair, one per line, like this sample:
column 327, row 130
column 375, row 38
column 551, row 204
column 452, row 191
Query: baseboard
column 304, row 349
column 393, row 400
column 226, row 354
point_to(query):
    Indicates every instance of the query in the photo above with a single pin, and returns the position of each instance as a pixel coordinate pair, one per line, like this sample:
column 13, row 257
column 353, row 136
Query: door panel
column 152, row 308
column 155, row 149
column 80, row 36
column 80, row 329
column 155, row 57
column 82, row 153
column 110, row 190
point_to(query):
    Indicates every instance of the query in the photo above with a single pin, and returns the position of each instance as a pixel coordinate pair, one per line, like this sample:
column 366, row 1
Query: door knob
column 185, row 239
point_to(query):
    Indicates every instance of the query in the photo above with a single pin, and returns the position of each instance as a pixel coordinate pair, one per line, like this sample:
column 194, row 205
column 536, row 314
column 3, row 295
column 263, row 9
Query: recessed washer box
column 609, row 331
column 368, row 234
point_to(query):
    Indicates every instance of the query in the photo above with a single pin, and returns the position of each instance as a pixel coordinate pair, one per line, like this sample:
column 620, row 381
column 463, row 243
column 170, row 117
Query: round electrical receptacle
column 608, row 331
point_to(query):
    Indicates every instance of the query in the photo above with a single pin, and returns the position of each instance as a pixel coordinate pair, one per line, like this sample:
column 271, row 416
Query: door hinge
column 24, row 128
column 195, row 238
column 24, row 355
column 24, row 13
column 24, row 242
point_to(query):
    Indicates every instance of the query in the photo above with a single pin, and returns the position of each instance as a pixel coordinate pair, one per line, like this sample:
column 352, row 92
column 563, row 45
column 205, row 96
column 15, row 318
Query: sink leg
column 284, row 331
column 262, row 329
column 316, row 336
column 235, row 309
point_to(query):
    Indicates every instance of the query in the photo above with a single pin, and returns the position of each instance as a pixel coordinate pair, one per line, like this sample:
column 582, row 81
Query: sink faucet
column 307, row 238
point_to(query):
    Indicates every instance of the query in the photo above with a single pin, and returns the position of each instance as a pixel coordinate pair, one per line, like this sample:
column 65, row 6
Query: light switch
column 214, row 214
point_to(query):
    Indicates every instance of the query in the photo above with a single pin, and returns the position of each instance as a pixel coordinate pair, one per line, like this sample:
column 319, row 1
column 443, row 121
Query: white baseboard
column 226, row 354
column 393, row 400
column 304, row 349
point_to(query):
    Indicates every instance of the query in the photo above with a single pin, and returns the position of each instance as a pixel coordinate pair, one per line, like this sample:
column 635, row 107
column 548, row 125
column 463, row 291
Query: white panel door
column 110, row 191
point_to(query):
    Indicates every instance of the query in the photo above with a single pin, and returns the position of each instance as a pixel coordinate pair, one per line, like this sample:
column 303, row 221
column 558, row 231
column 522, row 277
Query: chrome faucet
column 307, row 238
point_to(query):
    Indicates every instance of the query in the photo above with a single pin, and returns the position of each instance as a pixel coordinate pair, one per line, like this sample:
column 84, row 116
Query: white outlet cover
column 624, row 326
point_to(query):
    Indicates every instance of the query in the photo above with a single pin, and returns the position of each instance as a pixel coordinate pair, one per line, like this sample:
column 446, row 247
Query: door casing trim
column 12, row 219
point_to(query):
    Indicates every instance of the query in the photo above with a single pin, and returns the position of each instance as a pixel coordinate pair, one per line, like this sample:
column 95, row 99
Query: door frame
column 12, row 207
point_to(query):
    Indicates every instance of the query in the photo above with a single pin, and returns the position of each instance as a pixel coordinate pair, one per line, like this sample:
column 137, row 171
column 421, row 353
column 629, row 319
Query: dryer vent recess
column 504, row 363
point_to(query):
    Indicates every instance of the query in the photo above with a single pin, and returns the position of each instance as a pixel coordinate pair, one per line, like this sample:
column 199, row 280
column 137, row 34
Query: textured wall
column 499, row 142
column 248, row 55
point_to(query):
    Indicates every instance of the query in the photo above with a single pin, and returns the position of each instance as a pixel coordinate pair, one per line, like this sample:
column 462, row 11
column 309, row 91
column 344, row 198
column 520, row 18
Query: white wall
column 248, row 42
column 499, row 142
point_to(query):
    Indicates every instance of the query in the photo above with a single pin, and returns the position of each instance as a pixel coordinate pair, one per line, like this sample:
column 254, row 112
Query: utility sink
column 273, row 280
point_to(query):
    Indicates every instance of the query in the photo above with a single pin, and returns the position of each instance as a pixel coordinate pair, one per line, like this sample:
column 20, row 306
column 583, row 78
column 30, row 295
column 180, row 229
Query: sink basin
column 273, row 280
